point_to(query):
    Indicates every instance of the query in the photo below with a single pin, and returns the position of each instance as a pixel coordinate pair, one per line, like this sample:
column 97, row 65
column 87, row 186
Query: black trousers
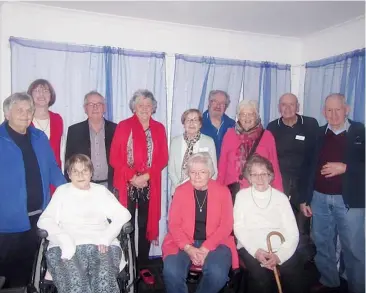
column 17, row 255
column 143, row 244
column 261, row 280
column 306, row 246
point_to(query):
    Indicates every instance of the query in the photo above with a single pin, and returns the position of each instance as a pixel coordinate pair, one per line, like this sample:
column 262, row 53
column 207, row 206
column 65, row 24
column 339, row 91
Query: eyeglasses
column 261, row 176
column 215, row 103
column 84, row 172
column 199, row 173
column 194, row 121
column 41, row 91
column 92, row 105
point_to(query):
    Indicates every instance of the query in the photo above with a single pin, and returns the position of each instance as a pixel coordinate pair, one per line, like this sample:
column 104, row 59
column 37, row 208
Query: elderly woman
column 240, row 143
column 200, row 226
column 27, row 168
column 259, row 210
column 50, row 123
column 83, row 221
column 187, row 144
column 139, row 153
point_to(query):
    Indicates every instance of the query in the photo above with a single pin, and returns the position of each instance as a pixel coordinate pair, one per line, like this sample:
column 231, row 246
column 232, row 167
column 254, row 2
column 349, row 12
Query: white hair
column 144, row 94
column 14, row 98
column 247, row 104
column 203, row 158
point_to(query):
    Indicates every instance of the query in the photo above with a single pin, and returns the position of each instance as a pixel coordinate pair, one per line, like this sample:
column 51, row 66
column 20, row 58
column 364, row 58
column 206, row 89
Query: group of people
column 233, row 182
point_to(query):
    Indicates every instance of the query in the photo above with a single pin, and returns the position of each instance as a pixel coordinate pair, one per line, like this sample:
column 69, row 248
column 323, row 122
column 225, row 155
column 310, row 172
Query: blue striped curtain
column 343, row 74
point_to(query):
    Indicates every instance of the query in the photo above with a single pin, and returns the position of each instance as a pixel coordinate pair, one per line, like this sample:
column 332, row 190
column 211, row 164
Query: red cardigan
column 56, row 131
column 123, row 173
column 219, row 224
column 226, row 167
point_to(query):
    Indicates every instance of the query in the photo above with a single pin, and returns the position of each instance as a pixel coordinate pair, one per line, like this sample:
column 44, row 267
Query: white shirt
column 75, row 217
column 258, row 213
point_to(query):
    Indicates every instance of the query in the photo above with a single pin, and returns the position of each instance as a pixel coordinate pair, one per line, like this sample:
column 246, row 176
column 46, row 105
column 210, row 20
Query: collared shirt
column 216, row 134
column 345, row 127
column 294, row 143
column 99, row 154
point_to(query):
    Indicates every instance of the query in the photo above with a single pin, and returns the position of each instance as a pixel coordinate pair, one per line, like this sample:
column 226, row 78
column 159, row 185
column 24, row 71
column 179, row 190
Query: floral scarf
column 189, row 151
column 247, row 139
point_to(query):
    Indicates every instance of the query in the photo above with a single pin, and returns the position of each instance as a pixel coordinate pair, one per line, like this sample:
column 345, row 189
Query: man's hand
column 204, row 252
column 332, row 169
column 306, row 210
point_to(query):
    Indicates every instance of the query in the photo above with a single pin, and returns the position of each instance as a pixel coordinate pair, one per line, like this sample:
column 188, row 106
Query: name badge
column 205, row 149
column 300, row 137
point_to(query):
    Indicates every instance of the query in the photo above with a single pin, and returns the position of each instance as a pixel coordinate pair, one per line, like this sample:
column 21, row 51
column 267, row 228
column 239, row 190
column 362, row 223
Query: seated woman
column 199, row 230
column 83, row 221
column 259, row 210
column 190, row 142
column 240, row 143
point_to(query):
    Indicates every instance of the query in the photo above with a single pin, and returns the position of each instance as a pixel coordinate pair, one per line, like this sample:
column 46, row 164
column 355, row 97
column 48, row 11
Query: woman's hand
column 140, row 181
column 204, row 252
column 272, row 261
column 194, row 254
column 262, row 256
column 102, row 248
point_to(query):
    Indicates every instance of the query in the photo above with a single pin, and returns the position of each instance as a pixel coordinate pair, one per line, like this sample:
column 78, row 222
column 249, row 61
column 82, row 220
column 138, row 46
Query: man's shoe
column 2, row 281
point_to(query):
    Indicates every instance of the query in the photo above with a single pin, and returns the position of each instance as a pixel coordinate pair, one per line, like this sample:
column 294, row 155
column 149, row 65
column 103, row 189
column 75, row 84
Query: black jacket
column 78, row 142
column 353, row 181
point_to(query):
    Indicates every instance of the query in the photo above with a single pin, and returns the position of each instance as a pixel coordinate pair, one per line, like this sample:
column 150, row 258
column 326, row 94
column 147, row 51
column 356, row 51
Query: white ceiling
column 285, row 18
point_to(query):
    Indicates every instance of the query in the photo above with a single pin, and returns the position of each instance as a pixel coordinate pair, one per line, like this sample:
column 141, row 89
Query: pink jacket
column 226, row 168
column 219, row 224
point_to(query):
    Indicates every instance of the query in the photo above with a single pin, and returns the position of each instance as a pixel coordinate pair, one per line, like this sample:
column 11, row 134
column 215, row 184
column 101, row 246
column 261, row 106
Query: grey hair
column 92, row 93
column 289, row 94
column 201, row 157
column 258, row 160
column 212, row 94
column 14, row 98
column 146, row 94
column 247, row 103
column 340, row 96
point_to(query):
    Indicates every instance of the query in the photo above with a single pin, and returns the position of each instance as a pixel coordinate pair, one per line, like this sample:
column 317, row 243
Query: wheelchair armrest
column 42, row 233
column 127, row 228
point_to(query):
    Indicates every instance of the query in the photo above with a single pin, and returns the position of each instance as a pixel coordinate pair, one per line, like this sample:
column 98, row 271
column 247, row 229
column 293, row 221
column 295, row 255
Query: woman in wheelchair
column 259, row 210
column 83, row 220
column 200, row 225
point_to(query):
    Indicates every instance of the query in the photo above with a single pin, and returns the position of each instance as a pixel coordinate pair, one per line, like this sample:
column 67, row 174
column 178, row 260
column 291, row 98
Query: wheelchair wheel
column 127, row 277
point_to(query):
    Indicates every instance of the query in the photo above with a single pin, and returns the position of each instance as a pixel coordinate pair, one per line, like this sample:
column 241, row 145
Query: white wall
column 61, row 25
column 333, row 41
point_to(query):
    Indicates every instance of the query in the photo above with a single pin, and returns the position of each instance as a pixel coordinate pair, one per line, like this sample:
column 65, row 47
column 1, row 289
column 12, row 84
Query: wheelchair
column 42, row 283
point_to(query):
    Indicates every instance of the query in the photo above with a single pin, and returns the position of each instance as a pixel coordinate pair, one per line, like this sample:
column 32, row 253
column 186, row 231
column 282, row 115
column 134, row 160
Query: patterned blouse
column 135, row 193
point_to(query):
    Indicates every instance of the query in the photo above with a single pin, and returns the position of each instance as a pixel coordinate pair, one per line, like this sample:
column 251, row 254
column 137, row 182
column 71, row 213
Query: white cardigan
column 252, row 223
column 75, row 217
column 177, row 150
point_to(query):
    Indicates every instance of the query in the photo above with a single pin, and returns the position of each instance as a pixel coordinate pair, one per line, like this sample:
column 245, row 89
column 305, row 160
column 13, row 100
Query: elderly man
column 215, row 122
column 27, row 168
column 295, row 137
column 93, row 137
column 335, row 197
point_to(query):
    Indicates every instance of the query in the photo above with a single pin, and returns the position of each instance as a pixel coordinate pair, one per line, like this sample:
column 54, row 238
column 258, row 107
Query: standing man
column 215, row 122
column 335, row 197
column 295, row 137
column 27, row 168
column 93, row 137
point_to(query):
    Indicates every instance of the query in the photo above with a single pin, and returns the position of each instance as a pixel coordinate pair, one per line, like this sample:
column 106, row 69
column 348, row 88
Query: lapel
column 85, row 133
column 108, row 137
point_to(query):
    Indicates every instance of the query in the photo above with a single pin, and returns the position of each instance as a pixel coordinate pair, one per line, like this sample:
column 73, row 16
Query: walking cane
column 275, row 271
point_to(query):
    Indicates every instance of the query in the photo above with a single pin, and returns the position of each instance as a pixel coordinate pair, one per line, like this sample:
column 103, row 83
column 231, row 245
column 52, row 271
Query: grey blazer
column 176, row 153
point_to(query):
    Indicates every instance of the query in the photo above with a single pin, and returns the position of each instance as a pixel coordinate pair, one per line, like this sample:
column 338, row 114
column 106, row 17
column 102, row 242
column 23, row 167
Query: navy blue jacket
column 13, row 192
column 353, row 181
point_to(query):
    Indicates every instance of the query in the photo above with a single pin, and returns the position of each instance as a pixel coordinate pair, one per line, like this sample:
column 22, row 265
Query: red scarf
column 123, row 173
column 247, row 139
